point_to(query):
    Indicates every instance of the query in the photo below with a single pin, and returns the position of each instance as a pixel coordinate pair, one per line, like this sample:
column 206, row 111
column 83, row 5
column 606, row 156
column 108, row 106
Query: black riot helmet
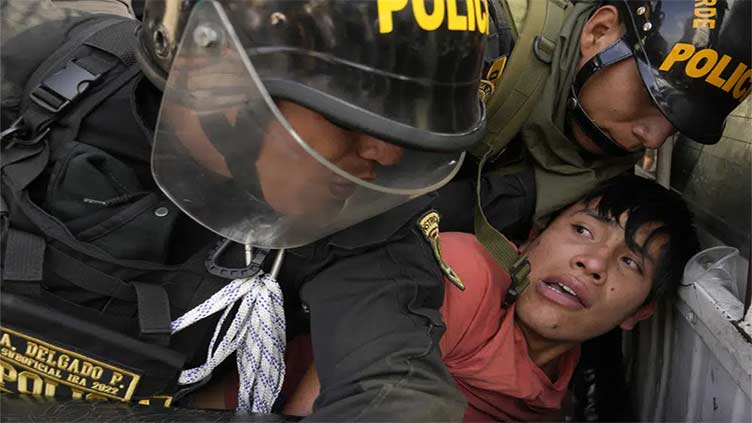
column 395, row 79
column 407, row 72
column 694, row 57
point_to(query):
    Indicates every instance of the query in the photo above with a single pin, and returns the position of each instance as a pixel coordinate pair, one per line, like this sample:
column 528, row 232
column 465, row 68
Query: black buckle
column 63, row 87
column 518, row 272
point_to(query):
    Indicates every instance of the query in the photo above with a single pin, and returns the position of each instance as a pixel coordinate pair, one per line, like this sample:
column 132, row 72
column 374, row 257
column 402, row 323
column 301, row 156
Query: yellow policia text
column 706, row 63
column 443, row 12
column 32, row 366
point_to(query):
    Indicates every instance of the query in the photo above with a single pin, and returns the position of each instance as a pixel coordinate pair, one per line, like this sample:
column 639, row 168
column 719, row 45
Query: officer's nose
column 593, row 263
column 381, row 152
column 652, row 131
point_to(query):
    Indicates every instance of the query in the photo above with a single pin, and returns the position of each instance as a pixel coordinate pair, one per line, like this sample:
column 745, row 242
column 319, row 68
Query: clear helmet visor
column 270, row 174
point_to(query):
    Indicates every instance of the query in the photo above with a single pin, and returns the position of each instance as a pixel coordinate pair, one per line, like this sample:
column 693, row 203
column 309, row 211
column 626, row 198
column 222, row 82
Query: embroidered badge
column 32, row 366
column 429, row 225
column 491, row 81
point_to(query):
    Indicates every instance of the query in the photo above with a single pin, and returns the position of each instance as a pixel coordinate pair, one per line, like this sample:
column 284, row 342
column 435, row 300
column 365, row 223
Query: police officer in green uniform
column 310, row 127
column 588, row 87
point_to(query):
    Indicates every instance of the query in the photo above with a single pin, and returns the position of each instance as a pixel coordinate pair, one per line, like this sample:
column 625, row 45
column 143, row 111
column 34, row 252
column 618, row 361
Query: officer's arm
column 375, row 327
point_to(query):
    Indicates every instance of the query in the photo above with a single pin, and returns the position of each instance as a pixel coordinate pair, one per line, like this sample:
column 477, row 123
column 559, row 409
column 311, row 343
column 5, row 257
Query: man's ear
column 600, row 31
column 643, row 313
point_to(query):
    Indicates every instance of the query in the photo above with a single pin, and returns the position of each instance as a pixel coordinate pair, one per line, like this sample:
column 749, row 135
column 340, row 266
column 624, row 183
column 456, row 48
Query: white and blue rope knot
column 256, row 333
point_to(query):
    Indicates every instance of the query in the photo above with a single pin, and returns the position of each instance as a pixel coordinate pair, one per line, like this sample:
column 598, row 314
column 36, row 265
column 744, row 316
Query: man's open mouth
column 564, row 292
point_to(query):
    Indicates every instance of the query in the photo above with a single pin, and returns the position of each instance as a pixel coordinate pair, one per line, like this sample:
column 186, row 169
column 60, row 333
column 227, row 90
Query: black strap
column 21, row 165
column 56, row 61
column 87, row 277
column 614, row 53
column 23, row 256
column 116, row 41
column 55, row 229
column 153, row 312
column 66, row 76
column 593, row 131
column 86, row 30
column 152, row 300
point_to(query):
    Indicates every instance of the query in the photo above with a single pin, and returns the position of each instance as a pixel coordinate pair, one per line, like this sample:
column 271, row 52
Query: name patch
column 32, row 366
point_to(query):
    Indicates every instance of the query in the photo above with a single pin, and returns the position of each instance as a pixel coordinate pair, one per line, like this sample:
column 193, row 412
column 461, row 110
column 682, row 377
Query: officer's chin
column 590, row 147
column 584, row 141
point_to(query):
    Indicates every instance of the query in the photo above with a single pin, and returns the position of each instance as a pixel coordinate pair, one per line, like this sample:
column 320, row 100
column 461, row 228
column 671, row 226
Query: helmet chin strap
column 614, row 53
column 240, row 159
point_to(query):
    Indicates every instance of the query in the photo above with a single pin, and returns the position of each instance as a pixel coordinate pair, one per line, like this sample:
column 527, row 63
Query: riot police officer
column 310, row 127
column 588, row 87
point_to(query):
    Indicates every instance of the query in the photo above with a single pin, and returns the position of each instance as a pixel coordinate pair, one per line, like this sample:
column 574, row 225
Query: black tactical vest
column 96, row 260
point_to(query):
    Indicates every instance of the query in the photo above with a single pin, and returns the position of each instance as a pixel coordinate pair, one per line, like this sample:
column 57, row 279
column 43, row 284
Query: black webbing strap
column 34, row 132
column 87, row 277
column 614, row 53
column 112, row 46
column 20, row 166
column 115, row 40
column 23, row 256
column 61, row 54
column 151, row 299
column 55, row 229
column 153, row 312
column 92, row 55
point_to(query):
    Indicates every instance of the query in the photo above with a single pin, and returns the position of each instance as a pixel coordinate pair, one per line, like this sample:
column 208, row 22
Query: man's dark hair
column 647, row 202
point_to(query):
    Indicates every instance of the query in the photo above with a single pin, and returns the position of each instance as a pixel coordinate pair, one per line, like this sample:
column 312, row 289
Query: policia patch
column 429, row 225
column 32, row 366
column 46, row 352
column 493, row 76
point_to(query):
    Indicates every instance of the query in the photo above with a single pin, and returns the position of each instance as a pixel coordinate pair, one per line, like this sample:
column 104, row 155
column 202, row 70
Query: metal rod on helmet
column 248, row 254
column 278, row 263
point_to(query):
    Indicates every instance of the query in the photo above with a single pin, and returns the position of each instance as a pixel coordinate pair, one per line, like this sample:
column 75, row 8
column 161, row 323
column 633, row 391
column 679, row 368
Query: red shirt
column 484, row 349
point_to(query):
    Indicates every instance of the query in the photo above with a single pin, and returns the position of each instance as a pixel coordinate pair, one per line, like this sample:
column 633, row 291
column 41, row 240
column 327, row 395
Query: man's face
column 615, row 97
column 295, row 183
column 586, row 255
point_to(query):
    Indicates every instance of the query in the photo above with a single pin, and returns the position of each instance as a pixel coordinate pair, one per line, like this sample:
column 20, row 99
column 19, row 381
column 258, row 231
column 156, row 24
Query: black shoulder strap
column 63, row 80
